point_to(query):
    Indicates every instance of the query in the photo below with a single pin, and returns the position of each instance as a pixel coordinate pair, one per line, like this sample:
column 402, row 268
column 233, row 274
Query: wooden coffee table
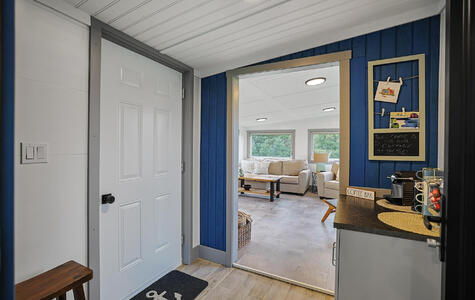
column 274, row 186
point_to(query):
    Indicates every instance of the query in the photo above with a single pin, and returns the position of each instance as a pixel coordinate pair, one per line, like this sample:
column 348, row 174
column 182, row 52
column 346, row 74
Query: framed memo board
column 397, row 144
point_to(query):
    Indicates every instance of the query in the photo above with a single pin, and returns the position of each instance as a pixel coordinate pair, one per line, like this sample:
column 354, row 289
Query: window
column 279, row 143
column 324, row 141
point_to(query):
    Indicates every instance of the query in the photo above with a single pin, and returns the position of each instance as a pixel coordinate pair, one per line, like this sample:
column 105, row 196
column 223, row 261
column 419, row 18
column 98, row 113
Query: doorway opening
column 289, row 134
column 283, row 135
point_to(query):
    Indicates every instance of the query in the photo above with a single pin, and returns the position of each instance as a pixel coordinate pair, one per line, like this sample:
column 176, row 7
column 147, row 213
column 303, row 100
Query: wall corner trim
column 66, row 9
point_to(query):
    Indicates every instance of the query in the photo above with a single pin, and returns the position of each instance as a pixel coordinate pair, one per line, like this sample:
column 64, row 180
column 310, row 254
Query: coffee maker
column 402, row 188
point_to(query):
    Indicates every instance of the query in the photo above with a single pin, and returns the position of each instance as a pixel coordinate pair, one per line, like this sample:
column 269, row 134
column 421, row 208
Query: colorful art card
column 388, row 91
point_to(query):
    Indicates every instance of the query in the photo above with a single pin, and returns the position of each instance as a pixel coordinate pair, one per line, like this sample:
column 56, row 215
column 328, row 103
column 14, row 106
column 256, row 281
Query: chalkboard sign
column 396, row 144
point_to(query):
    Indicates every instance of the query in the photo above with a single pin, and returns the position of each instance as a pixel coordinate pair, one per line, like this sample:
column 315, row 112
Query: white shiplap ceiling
column 218, row 35
column 282, row 97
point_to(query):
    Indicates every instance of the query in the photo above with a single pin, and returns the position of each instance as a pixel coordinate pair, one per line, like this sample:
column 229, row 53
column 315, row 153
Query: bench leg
column 79, row 293
column 62, row 297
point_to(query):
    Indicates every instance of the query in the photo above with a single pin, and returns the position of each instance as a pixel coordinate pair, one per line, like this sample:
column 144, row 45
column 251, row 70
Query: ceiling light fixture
column 261, row 119
column 315, row 81
column 329, row 108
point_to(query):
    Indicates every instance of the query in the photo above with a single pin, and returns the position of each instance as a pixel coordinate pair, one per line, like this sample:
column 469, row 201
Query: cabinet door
column 372, row 266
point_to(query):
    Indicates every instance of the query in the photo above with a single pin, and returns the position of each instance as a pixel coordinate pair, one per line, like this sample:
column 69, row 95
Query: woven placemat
column 408, row 222
column 386, row 204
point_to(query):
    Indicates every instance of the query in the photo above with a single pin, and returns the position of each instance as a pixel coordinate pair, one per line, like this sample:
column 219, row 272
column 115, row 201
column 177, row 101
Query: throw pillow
column 335, row 168
column 293, row 167
column 247, row 166
column 338, row 175
column 261, row 167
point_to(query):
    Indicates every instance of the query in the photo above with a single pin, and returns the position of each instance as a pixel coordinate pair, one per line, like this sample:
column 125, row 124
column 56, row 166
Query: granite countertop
column 362, row 215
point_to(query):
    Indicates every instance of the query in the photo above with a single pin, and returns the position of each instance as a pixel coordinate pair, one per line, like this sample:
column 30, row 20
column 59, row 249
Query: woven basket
column 244, row 229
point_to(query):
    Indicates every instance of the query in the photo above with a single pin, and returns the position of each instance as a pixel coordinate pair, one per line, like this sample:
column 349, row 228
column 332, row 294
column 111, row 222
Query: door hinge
column 182, row 167
column 182, row 239
column 183, row 94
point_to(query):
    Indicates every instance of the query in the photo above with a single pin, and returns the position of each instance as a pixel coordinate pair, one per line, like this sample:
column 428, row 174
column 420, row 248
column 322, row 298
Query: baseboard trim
column 195, row 253
column 211, row 254
column 284, row 279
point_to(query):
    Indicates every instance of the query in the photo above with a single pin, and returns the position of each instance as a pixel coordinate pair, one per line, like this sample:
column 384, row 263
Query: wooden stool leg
column 329, row 211
column 79, row 293
column 62, row 297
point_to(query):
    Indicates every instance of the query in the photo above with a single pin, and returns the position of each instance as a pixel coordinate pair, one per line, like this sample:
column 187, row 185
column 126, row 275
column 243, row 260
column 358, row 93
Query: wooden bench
column 55, row 283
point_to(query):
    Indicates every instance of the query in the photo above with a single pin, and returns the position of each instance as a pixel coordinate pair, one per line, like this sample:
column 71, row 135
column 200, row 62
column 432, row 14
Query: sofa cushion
column 275, row 168
column 247, row 166
column 289, row 179
column 261, row 167
column 332, row 185
column 293, row 167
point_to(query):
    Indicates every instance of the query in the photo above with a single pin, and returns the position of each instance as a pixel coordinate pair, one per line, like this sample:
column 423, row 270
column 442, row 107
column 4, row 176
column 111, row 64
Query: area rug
column 175, row 285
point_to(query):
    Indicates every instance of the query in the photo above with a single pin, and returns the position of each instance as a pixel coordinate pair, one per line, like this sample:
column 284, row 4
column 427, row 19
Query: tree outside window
column 266, row 144
column 326, row 142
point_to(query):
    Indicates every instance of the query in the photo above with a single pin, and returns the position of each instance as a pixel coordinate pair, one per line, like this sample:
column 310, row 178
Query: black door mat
column 175, row 285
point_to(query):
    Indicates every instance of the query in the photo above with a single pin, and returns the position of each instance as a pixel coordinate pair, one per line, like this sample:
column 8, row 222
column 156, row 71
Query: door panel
column 141, row 166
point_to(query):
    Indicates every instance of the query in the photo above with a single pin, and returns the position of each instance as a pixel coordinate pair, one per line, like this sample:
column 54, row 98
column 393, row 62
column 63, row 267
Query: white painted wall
column 51, row 105
column 196, row 160
column 301, row 132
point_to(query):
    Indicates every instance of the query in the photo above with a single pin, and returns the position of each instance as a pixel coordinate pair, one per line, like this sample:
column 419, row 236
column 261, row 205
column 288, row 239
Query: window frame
column 311, row 132
column 250, row 133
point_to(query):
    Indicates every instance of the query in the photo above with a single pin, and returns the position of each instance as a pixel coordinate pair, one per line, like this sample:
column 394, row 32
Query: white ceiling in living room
column 283, row 96
column 218, row 35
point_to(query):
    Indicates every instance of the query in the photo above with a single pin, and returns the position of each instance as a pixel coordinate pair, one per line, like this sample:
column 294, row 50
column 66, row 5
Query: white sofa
column 295, row 173
column 328, row 183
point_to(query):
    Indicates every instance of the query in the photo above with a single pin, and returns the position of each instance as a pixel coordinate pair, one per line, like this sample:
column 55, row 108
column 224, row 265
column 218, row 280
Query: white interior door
column 140, row 238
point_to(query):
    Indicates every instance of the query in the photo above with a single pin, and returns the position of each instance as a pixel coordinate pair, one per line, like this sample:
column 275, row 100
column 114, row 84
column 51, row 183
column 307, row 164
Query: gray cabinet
column 371, row 266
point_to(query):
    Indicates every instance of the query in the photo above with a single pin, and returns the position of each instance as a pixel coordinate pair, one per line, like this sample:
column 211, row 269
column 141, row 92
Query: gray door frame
column 98, row 31
column 232, row 132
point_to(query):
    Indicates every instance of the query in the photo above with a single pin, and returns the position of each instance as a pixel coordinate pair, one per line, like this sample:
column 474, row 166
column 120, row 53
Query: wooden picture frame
column 421, row 131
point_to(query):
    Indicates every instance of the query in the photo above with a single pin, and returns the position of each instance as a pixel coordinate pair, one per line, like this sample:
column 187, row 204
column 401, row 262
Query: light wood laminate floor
column 232, row 283
column 289, row 240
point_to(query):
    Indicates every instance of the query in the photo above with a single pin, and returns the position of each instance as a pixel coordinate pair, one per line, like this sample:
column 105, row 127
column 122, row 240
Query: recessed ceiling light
column 261, row 119
column 315, row 81
column 329, row 108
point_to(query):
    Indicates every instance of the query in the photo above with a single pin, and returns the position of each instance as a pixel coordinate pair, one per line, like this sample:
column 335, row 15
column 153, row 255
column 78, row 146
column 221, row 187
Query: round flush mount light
column 315, row 81
column 261, row 119
column 329, row 108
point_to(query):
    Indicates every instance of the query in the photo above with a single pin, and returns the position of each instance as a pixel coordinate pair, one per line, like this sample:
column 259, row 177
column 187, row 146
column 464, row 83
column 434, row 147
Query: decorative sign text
column 365, row 194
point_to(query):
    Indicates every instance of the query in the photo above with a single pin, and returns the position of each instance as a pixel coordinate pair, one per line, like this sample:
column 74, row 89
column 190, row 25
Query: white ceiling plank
column 305, row 41
column 204, row 26
column 120, row 9
column 146, row 11
column 285, row 32
column 204, row 11
column 93, row 6
column 312, row 17
column 217, row 35
column 253, row 22
column 177, row 11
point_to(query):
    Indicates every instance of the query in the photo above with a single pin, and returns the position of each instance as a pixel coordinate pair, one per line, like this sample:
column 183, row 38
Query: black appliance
column 402, row 188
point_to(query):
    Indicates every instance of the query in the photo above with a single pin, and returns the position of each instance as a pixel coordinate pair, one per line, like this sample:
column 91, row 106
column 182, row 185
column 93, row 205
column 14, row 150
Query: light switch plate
column 34, row 153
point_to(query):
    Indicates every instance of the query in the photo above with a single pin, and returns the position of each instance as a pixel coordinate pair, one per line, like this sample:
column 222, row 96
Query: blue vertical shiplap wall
column 413, row 38
column 213, row 162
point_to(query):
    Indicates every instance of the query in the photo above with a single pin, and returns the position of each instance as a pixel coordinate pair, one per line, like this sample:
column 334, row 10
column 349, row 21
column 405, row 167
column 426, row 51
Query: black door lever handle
column 108, row 199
